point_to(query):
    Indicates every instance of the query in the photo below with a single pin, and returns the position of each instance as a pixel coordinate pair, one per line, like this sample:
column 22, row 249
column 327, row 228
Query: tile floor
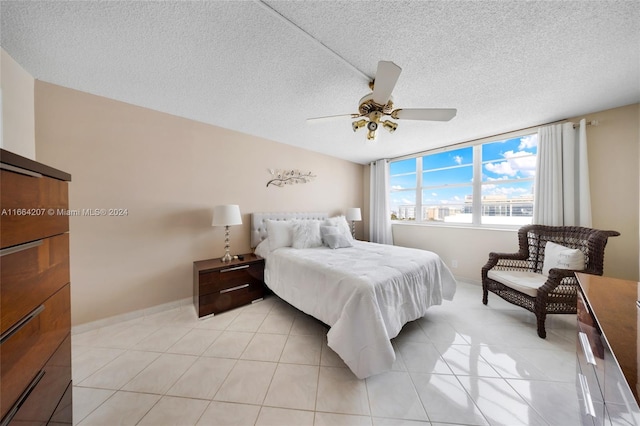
column 268, row 364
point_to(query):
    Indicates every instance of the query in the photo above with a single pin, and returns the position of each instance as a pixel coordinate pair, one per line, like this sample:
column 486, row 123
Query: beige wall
column 614, row 150
column 17, row 101
column 169, row 172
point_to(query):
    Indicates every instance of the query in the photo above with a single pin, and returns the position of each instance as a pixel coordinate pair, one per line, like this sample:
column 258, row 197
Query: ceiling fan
column 377, row 104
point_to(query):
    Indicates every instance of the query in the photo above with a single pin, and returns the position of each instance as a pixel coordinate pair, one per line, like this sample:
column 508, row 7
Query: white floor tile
column 195, row 342
column 203, row 378
column 393, row 395
column 270, row 416
column 265, row 347
column 446, row 400
column 499, row 402
column 268, row 363
column 123, row 408
column 161, row 374
column 293, row 386
column 305, row 349
column 339, row 391
column 173, row 411
column 120, row 371
column 229, row 414
column 247, row 382
column 85, row 400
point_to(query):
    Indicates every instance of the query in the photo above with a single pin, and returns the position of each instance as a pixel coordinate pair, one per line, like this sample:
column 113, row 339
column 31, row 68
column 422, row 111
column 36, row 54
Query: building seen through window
column 440, row 187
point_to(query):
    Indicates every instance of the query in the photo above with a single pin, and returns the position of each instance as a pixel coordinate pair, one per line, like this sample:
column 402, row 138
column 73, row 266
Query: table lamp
column 226, row 216
column 354, row 215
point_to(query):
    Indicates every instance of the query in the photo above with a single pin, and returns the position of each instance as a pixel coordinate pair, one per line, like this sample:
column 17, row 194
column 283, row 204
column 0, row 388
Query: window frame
column 476, row 185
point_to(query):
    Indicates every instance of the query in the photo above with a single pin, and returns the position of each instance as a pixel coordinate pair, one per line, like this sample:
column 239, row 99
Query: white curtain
column 380, row 219
column 562, row 195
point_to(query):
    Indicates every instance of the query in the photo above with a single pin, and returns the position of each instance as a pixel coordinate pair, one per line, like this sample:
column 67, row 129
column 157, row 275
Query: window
column 488, row 184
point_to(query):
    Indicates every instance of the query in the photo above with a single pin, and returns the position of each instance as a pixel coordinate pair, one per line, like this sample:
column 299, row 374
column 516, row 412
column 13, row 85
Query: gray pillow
column 336, row 241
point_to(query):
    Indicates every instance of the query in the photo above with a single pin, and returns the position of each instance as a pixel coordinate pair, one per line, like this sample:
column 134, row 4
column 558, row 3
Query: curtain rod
column 505, row 134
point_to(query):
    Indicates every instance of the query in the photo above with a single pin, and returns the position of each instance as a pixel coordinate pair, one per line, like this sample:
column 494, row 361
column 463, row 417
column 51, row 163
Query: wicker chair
column 540, row 294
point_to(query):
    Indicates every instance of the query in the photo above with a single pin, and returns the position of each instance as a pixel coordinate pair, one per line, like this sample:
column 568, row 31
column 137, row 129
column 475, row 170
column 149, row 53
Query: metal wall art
column 282, row 177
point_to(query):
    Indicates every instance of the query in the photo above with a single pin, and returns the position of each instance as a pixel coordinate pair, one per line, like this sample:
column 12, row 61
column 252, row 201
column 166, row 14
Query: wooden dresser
column 35, row 303
column 608, row 350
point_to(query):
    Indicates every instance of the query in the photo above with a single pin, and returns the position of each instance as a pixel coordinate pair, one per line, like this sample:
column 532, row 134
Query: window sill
column 508, row 228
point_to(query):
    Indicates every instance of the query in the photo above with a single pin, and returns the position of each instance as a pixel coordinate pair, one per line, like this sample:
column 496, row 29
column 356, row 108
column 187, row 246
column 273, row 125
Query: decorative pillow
column 306, row 234
column 557, row 256
column 333, row 237
column 342, row 224
column 280, row 234
column 263, row 248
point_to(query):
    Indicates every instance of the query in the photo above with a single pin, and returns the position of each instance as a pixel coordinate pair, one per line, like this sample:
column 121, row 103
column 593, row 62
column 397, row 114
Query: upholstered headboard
column 259, row 222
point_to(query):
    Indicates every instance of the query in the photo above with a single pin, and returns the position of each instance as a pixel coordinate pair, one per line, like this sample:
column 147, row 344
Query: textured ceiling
column 263, row 68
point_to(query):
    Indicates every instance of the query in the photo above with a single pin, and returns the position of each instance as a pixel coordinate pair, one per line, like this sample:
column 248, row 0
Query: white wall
column 614, row 149
column 17, row 129
column 169, row 173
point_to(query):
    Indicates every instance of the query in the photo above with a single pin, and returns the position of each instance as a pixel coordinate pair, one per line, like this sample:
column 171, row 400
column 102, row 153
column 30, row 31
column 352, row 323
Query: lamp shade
column 226, row 215
column 353, row 214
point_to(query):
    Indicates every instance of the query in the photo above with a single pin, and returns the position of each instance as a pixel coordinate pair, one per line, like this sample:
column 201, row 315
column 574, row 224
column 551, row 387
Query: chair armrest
column 511, row 260
column 556, row 277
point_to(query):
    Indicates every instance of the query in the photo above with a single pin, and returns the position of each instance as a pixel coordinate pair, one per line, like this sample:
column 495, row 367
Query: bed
column 365, row 292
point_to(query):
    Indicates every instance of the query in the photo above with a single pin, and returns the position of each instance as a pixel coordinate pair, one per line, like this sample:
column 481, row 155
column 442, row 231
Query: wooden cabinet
column 218, row 286
column 35, row 302
column 608, row 351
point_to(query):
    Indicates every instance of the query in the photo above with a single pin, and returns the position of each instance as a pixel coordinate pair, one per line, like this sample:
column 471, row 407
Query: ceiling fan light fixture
column 358, row 124
column 371, row 135
column 390, row 126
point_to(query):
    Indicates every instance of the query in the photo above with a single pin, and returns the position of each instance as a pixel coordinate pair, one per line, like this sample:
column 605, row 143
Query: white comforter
column 366, row 293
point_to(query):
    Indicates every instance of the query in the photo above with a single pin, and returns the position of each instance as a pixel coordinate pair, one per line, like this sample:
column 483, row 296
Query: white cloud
column 457, row 159
column 397, row 187
column 528, row 142
column 520, row 161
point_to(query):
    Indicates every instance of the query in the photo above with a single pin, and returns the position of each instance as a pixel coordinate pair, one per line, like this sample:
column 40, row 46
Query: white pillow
column 263, row 248
column 306, row 234
column 557, row 256
column 280, row 233
column 333, row 237
column 341, row 223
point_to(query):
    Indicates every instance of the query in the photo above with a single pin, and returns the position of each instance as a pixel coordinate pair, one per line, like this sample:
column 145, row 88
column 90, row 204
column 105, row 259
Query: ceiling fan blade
column 331, row 117
column 386, row 78
column 429, row 114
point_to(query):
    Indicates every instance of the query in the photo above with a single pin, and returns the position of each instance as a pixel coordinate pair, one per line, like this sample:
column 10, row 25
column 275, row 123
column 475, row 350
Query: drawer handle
column 20, row 170
column 24, row 321
column 586, row 348
column 21, row 247
column 588, row 403
column 238, row 287
column 23, row 396
column 237, row 268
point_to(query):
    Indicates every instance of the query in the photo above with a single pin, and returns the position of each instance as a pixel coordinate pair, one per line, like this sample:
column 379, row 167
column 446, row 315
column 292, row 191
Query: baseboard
column 140, row 313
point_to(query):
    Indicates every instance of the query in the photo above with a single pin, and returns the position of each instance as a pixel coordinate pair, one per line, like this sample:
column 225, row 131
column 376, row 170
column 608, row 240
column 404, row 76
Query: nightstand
column 218, row 286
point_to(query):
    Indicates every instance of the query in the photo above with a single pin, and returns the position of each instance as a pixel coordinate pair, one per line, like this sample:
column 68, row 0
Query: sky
column 447, row 176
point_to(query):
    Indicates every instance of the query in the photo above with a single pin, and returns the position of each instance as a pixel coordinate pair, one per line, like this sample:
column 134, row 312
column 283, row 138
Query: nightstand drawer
column 231, row 297
column 212, row 282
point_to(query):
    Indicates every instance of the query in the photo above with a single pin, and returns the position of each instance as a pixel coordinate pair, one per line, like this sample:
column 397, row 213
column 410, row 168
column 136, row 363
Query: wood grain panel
column 31, row 208
column 212, row 282
column 26, row 352
column 49, row 393
column 215, row 303
column 30, row 276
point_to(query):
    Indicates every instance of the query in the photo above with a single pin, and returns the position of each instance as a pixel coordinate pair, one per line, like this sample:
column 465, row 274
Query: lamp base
column 226, row 258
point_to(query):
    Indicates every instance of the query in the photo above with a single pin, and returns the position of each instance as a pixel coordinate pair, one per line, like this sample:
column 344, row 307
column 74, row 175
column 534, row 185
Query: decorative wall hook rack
column 282, row 177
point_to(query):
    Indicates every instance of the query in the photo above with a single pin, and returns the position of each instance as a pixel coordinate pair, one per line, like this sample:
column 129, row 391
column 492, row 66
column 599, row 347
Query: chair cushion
column 523, row 281
column 557, row 256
